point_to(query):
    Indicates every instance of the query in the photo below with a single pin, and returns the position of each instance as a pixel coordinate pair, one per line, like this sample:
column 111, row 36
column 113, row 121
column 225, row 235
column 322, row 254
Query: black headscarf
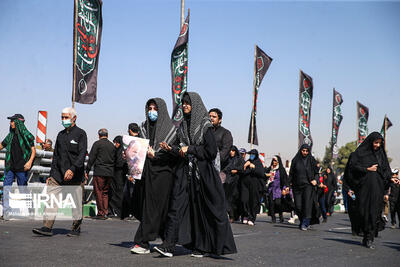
column 194, row 126
column 256, row 161
column 365, row 156
column 309, row 162
column 164, row 130
column 119, row 161
column 236, row 162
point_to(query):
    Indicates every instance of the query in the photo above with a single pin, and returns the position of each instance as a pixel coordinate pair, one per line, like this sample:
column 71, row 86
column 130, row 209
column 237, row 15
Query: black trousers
column 303, row 201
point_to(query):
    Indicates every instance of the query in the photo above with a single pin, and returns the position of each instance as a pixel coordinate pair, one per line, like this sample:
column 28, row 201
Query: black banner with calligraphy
column 88, row 24
column 305, row 101
column 386, row 125
column 337, row 118
column 179, row 72
column 261, row 65
column 362, row 122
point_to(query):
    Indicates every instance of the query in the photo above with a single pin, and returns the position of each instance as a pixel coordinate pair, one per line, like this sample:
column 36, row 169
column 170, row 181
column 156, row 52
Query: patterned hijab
column 193, row 127
column 25, row 139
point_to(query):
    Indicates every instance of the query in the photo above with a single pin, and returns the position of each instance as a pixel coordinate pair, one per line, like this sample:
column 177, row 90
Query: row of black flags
column 87, row 38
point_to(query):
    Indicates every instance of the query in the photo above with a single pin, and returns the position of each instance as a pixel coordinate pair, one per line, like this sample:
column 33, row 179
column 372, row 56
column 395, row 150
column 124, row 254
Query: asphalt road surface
column 106, row 243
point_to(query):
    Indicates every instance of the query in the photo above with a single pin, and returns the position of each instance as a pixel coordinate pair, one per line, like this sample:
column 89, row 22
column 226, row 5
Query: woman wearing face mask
column 153, row 191
column 304, row 177
column 197, row 216
column 252, row 186
column 368, row 173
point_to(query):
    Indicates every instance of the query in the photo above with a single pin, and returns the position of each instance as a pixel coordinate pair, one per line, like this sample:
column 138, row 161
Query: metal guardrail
column 39, row 171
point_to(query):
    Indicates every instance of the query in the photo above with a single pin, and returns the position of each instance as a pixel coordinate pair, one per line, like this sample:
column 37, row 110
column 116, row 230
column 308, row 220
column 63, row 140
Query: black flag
column 337, row 118
column 305, row 101
column 179, row 72
column 88, row 25
column 362, row 122
column 261, row 65
column 388, row 125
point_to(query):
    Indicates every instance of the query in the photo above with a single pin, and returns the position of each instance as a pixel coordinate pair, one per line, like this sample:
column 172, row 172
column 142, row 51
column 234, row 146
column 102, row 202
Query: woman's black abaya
column 154, row 189
column 303, row 170
column 252, row 187
column 231, row 185
column 369, row 186
column 197, row 215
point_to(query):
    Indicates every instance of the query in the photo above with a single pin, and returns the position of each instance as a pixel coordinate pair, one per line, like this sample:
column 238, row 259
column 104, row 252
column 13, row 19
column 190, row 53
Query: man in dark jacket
column 67, row 168
column 222, row 136
column 102, row 157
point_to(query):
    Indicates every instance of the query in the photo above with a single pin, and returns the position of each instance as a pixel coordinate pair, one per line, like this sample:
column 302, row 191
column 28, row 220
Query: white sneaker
column 163, row 252
column 245, row 221
column 250, row 223
column 139, row 250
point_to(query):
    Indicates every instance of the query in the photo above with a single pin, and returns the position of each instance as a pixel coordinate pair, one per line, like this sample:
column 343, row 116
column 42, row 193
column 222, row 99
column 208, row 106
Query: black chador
column 369, row 184
column 119, row 179
column 154, row 188
column 233, row 171
column 197, row 215
column 330, row 198
column 252, row 187
column 303, row 172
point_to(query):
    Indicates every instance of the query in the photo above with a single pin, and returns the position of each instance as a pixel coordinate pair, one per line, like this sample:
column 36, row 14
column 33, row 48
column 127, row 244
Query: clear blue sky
column 352, row 46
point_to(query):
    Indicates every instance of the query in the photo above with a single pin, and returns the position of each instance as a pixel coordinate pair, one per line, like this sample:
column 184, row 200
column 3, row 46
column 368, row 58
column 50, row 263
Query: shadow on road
column 392, row 245
column 346, row 241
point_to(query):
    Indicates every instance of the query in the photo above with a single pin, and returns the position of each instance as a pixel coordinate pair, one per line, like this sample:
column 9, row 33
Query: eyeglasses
column 64, row 117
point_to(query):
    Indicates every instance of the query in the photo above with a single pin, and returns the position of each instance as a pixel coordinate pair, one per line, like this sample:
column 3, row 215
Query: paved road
column 106, row 243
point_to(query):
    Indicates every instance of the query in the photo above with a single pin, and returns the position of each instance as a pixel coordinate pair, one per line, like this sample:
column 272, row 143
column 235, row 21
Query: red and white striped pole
column 41, row 127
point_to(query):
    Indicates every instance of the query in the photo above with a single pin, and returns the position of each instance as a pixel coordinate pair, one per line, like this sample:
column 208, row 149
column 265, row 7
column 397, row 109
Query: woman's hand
column 314, row 183
column 373, row 168
column 183, row 151
column 150, row 152
column 165, row 146
column 252, row 166
column 247, row 164
column 234, row 171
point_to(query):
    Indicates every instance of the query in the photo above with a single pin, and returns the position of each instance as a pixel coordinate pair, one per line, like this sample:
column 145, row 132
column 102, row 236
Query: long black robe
column 197, row 215
column 231, row 185
column 118, row 181
column 252, row 187
column 154, row 189
column 331, row 182
column 302, row 172
column 369, row 186
column 352, row 204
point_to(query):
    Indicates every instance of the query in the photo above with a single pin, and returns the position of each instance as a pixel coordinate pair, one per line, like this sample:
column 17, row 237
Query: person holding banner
column 368, row 173
column 303, row 177
column 157, row 179
column 197, row 217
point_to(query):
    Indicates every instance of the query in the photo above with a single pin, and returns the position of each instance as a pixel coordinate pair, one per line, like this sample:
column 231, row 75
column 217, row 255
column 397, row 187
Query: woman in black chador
column 119, row 179
column 252, row 186
column 330, row 196
column 197, row 216
column 277, row 189
column 157, row 179
column 304, row 177
column 233, row 170
column 368, row 173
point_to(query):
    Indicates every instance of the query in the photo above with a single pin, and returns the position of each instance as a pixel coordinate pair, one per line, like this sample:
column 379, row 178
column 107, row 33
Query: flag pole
column 333, row 123
column 254, row 97
column 384, row 137
column 75, row 48
column 298, row 118
column 182, row 13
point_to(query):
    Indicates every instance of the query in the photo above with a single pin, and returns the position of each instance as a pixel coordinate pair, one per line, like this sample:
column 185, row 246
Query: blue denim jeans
column 22, row 179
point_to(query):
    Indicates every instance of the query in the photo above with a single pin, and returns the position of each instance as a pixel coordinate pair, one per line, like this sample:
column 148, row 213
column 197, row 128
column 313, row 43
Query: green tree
column 343, row 156
column 327, row 160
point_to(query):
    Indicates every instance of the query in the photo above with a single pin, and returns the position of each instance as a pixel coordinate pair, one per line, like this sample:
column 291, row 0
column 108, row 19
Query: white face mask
column 66, row 123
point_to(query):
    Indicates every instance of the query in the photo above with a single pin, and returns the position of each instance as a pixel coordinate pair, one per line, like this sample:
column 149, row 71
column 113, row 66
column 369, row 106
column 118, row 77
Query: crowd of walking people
column 195, row 182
